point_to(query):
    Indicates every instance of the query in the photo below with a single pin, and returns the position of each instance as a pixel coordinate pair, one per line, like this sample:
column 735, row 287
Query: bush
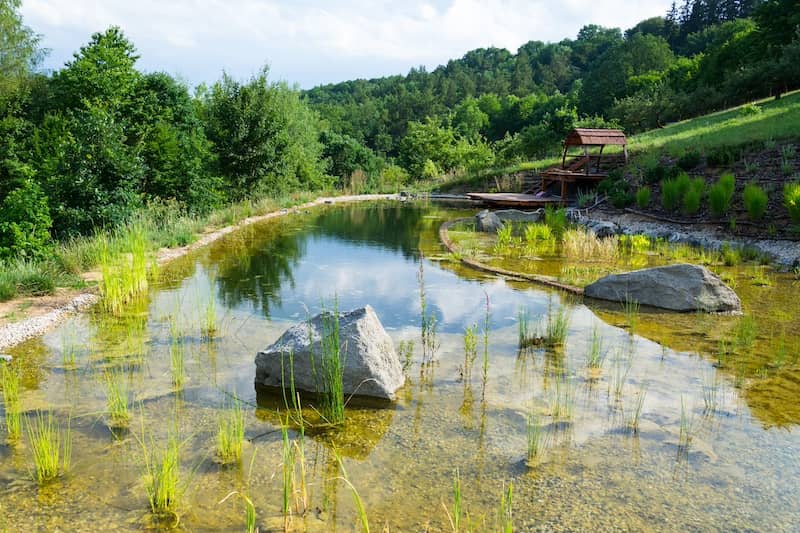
column 24, row 222
column 722, row 156
column 643, row 197
column 670, row 194
column 621, row 199
column 755, row 201
column 691, row 201
column 689, row 160
column 720, row 195
column 791, row 199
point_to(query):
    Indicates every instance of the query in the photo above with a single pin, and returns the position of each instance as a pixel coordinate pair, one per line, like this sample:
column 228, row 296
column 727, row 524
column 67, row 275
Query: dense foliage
column 86, row 147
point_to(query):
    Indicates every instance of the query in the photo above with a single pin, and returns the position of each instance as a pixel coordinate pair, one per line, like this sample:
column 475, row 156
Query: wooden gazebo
column 586, row 166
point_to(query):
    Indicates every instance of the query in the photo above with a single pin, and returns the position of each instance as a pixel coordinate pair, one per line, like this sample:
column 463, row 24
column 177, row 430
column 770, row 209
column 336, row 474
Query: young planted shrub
column 689, row 160
column 720, row 195
column 643, row 197
column 755, row 201
column 670, row 194
column 791, row 199
column 693, row 196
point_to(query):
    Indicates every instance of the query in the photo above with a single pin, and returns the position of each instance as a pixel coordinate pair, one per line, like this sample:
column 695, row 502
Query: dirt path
column 24, row 318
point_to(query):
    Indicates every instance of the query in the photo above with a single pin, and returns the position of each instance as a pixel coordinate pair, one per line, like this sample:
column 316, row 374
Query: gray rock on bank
column 681, row 287
column 487, row 222
column 371, row 365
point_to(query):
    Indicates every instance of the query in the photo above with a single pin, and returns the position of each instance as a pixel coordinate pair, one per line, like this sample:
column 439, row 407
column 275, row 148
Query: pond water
column 716, row 446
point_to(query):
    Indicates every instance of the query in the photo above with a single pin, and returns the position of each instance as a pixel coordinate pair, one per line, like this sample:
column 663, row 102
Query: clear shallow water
column 737, row 474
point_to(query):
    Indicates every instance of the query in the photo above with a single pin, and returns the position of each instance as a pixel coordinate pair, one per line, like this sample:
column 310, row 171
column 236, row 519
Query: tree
column 19, row 47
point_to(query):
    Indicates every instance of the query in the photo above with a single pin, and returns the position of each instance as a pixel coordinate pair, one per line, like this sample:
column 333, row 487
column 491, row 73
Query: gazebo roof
column 594, row 137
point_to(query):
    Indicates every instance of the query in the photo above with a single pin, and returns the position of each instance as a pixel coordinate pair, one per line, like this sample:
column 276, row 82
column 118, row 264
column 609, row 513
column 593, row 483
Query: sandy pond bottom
column 737, row 472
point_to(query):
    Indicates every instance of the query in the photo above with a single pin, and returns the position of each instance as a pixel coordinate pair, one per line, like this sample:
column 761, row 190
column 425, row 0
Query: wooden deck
column 511, row 199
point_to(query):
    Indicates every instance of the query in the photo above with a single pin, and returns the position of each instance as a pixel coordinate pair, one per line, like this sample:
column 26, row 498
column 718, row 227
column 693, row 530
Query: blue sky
column 313, row 42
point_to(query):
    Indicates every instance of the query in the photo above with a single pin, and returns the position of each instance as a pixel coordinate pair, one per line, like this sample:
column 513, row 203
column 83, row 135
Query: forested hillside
column 495, row 106
column 88, row 146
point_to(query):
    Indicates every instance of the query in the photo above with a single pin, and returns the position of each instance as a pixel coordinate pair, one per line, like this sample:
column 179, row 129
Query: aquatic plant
column 287, row 486
column 710, row 392
column 124, row 267
column 249, row 510
column 595, row 355
column 9, row 380
column 745, row 332
column 535, row 439
column 755, row 201
column 486, row 325
column 505, row 239
column 635, row 243
column 470, row 350
column 506, row 515
column 330, row 375
column 523, row 327
column 427, row 321
column 162, row 476
column 562, row 398
column 720, row 194
column 405, row 350
column 116, row 398
column 759, row 276
column 455, row 518
column 209, row 326
column 583, row 245
column 791, row 199
column 620, row 369
column 687, row 427
column 557, row 325
column 537, row 231
column 630, row 309
column 556, row 219
column 632, row 417
column 176, row 354
column 230, row 432
column 51, row 446
column 360, row 509
column 69, row 345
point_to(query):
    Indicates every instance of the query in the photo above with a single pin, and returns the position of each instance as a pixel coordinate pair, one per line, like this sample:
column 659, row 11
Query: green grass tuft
column 51, row 447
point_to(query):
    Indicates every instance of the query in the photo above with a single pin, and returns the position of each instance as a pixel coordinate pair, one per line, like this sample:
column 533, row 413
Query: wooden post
column 599, row 156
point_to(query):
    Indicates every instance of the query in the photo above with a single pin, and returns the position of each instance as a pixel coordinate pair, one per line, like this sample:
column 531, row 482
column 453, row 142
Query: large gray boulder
column 371, row 365
column 680, row 287
column 517, row 216
column 488, row 222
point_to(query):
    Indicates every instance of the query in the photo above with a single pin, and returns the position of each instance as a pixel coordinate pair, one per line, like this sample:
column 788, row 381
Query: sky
column 316, row 42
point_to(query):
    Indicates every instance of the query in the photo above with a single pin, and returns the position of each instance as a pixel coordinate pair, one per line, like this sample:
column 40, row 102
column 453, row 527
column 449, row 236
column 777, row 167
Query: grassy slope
column 778, row 120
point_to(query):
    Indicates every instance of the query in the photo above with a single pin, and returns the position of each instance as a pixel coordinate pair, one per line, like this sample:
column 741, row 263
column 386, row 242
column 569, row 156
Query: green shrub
column 721, row 156
column 621, row 199
column 791, row 199
column 720, row 195
column 691, row 201
column 755, row 201
column 655, row 174
column 643, row 197
column 25, row 222
column 670, row 194
column 689, row 160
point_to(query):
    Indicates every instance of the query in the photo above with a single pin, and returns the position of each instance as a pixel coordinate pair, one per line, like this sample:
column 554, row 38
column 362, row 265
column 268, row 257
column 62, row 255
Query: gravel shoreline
column 17, row 332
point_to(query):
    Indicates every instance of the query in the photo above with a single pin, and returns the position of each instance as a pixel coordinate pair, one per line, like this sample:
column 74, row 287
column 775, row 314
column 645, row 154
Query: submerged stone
column 681, row 287
column 371, row 365
column 488, row 222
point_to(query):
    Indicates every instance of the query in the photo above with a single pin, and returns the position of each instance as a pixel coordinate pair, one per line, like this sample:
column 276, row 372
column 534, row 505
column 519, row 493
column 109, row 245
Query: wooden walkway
column 513, row 199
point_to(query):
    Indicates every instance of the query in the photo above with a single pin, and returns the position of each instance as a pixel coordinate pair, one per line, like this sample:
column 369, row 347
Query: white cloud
column 315, row 42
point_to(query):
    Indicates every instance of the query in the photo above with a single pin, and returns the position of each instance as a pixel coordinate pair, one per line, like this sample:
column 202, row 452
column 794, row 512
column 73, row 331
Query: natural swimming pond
column 714, row 445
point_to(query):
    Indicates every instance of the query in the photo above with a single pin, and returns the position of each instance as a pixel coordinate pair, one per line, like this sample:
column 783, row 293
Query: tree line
column 87, row 146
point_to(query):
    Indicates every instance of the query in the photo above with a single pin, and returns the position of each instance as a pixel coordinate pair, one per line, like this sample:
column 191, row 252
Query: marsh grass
column 759, row 276
column 455, row 517
column 177, row 358
column 50, row 446
column 745, row 333
column 557, row 325
column 359, row 503
column 562, row 398
column 9, row 380
column 505, row 240
column 330, row 375
column 69, row 345
column 523, row 327
column 209, row 327
column 288, row 479
column 249, row 510
column 162, row 476
column 596, row 355
column 124, row 266
column 470, row 351
column 620, row 369
column 633, row 415
column 630, row 309
column 428, row 323
column 711, row 388
column 687, row 428
column 535, row 438
column 117, row 398
column 584, row 246
column 486, row 328
column 505, row 511
column 230, row 432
